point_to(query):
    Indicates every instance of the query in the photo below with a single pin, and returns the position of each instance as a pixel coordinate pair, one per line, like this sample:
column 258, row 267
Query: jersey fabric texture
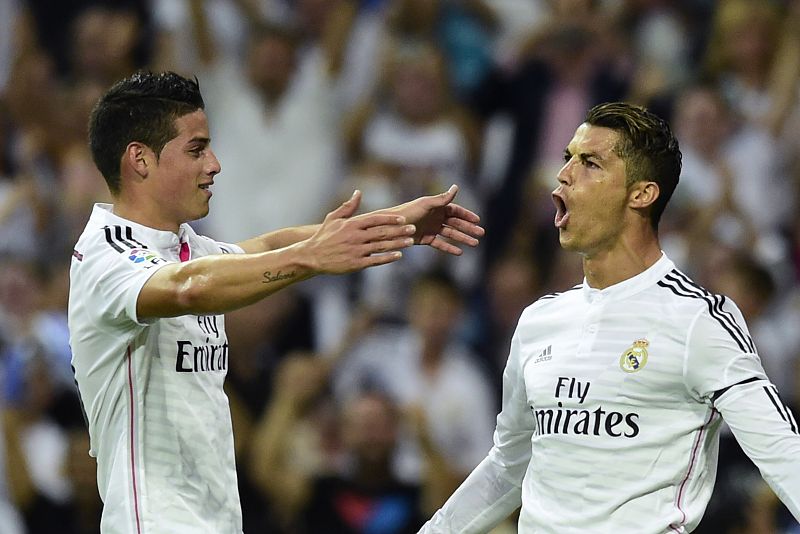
column 612, row 405
column 159, row 421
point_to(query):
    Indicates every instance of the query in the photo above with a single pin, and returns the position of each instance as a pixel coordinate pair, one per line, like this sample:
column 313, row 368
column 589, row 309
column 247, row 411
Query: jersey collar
column 632, row 285
column 104, row 214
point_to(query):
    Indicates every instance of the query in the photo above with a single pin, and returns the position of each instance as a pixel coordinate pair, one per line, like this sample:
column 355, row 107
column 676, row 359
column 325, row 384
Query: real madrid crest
column 635, row 358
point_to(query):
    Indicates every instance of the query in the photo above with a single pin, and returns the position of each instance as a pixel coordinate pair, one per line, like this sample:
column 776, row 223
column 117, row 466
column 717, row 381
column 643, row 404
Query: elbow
column 192, row 294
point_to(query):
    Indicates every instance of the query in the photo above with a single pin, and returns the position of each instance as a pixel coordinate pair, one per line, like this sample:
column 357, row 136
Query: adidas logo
column 545, row 355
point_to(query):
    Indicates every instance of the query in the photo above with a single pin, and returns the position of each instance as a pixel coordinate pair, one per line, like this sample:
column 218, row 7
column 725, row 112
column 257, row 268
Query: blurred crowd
column 360, row 402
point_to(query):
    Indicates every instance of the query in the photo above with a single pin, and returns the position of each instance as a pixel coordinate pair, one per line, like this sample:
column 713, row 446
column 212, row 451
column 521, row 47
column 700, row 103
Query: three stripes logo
column 122, row 241
column 683, row 286
column 118, row 242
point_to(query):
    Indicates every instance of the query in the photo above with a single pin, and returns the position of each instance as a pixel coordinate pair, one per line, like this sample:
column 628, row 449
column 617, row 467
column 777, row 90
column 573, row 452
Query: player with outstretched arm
column 147, row 296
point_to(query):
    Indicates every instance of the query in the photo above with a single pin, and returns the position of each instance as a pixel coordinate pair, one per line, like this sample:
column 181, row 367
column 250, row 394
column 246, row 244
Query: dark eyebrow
column 202, row 141
column 595, row 155
column 584, row 155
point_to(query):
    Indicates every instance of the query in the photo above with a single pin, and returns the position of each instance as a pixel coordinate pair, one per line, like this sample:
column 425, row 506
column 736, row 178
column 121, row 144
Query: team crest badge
column 635, row 358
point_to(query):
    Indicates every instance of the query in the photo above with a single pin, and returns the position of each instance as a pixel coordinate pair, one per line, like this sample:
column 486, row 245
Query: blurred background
column 361, row 402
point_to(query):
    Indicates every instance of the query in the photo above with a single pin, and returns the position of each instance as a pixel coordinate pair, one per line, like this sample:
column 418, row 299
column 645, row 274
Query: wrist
column 302, row 260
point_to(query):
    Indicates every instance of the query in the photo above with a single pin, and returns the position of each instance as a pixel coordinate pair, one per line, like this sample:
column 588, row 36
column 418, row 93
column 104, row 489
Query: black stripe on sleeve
column 789, row 417
column 711, row 311
column 129, row 237
column 776, row 401
column 719, row 301
column 110, row 240
column 721, row 392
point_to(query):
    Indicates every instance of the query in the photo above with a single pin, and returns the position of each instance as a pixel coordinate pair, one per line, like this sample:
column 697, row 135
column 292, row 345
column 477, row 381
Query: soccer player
column 614, row 390
column 147, row 296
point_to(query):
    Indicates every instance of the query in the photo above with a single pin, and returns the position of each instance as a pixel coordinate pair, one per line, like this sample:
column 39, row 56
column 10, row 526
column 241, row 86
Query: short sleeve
column 720, row 351
column 114, row 279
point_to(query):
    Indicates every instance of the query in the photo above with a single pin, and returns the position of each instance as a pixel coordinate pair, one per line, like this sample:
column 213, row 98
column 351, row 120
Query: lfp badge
column 635, row 358
column 139, row 255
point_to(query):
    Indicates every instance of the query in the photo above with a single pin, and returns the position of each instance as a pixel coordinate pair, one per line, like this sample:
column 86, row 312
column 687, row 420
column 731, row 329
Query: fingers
column 370, row 220
column 460, row 212
column 380, row 259
column 442, row 199
column 442, row 245
column 383, row 232
column 348, row 208
column 465, row 227
column 450, row 194
column 458, row 236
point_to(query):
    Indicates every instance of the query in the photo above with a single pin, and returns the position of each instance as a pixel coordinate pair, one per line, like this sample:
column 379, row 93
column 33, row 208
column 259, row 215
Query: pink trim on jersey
column 695, row 448
column 133, row 441
column 184, row 252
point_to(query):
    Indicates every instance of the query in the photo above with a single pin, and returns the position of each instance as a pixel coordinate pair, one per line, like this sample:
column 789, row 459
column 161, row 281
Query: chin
column 570, row 244
column 564, row 240
column 201, row 213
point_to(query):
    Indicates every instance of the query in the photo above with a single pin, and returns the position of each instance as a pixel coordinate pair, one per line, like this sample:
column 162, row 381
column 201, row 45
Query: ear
column 138, row 157
column 642, row 194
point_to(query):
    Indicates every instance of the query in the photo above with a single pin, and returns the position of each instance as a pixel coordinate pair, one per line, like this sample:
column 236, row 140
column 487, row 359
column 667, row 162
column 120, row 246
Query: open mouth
column 562, row 213
column 206, row 187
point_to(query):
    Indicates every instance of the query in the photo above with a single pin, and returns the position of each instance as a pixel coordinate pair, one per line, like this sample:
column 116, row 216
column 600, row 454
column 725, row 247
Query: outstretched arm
column 436, row 218
column 219, row 283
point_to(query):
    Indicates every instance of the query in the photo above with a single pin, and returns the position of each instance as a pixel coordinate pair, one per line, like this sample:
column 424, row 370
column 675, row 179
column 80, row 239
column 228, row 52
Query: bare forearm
column 278, row 239
column 220, row 283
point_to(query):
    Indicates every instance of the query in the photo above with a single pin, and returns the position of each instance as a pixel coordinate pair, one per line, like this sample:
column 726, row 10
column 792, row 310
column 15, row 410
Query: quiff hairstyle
column 142, row 108
column 646, row 145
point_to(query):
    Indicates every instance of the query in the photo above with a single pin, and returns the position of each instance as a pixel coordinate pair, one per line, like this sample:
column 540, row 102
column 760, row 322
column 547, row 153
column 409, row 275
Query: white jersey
column 159, row 421
column 612, row 404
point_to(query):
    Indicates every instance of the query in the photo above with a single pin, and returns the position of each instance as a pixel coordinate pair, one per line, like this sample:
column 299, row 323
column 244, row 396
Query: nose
column 214, row 166
column 564, row 176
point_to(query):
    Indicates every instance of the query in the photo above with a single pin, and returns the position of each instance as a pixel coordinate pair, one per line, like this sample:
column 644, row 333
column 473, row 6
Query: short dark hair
column 143, row 108
column 647, row 146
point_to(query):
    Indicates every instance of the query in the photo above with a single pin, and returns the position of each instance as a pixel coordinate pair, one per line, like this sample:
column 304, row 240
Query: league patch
column 142, row 255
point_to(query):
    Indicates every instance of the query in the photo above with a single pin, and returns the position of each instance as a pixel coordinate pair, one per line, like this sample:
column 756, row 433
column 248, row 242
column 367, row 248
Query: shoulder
column 717, row 313
column 560, row 300
column 109, row 240
column 678, row 288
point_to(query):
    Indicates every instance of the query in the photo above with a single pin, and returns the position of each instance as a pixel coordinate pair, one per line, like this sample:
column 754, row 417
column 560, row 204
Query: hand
column 344, row 243
column 437, row 217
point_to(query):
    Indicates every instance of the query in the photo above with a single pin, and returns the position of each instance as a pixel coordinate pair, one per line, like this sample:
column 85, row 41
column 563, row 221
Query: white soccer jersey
column 612, row 403
column 159, row 420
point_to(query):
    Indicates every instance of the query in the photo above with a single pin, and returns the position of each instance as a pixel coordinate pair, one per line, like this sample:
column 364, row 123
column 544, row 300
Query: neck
column 609, row 267
column 149, row 218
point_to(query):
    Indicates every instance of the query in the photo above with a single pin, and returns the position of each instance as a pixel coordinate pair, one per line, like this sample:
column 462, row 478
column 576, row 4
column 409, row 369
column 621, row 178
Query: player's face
column 591, row 195
column 185, row 171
